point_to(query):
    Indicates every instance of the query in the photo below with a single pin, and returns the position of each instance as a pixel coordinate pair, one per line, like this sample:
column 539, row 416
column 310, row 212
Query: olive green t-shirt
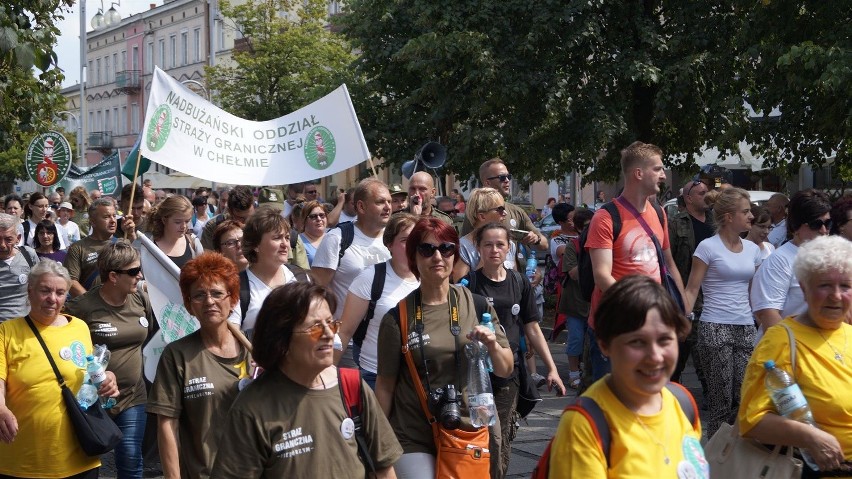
column 277, row 428
column 407, row 417
column 82, row 261
column 122, row 330
column 198, row 388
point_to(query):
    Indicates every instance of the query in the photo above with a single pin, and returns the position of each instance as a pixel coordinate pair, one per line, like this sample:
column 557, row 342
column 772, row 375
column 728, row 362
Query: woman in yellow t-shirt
column 823, row 366
column 637, row 327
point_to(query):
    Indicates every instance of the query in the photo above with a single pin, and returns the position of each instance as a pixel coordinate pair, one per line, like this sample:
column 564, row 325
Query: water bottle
column 480, row 399
column 486, row 321
column 97, row 375
column 789, row 400
column 463, row 283
column 88, row 393
column 532, row 264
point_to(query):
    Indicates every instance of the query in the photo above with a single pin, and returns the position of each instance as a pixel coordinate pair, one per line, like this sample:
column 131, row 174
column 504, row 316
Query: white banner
column 161, row 278
column 187, row 133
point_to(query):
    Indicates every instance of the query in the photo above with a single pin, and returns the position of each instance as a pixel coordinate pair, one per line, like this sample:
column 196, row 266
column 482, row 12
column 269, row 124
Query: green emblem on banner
column 320, row 148
column 48, row 158
column 159, row 128
column 108, row 185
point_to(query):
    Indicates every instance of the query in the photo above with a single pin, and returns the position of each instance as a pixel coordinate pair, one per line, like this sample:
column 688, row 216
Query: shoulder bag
column 731, row 455
column 95, row 431
column 461, row 454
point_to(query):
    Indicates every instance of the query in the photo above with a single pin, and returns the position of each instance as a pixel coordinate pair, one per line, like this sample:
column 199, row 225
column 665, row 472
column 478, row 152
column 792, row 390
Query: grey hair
column 103, row 201
column 8, row 222
column 47, row 267
column 822, row 255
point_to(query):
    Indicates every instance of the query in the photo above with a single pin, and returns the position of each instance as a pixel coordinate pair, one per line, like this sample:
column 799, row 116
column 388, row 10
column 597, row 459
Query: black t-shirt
column 702, row 230
column 503, row 296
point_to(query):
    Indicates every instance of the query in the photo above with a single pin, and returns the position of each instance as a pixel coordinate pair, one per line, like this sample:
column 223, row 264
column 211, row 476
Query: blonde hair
column 170, row 206
column 480, row 201
column 727, row 201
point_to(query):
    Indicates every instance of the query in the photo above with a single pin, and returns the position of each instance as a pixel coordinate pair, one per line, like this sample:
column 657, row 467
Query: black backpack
column 245, row 290
column 584, row 260
column 380, row 270
column 347, row 236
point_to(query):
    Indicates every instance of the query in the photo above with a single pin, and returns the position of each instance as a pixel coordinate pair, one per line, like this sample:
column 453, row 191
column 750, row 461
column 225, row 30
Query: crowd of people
column 292, row 293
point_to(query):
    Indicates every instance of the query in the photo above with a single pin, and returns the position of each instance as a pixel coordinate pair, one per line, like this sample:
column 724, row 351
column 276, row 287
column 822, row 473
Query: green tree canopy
column 557, row 86
column 291, row 59
column 29, row 76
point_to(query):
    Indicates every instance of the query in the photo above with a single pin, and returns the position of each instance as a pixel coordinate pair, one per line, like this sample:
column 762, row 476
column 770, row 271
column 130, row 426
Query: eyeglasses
column 502, row 178
column 232, row 243
column 202, row 296
column 427, row 250
column 129, row 272
column 317, row 216
column 817, row 224
column 316, row 331
column 500, row 209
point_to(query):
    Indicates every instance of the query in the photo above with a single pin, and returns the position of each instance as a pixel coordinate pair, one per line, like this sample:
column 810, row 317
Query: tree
column 550, row 86
column 28, row 100
column 291, row 60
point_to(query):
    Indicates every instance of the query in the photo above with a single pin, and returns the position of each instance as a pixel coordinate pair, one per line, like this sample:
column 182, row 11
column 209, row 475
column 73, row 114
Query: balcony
column 128, row 81
column 100, row 140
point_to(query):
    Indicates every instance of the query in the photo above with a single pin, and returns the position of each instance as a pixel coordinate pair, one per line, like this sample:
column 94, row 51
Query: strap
column 351, row 393
column 593, row 413
column 629, row 207
column 59, row 377
column 792, row 340
column 245, row 293
column 412, row 369
column 300, row 273
column 28, row 257
column 26, row 226
column 610, row 208
column 686, row 401
column 378, row 287
column 347, row 236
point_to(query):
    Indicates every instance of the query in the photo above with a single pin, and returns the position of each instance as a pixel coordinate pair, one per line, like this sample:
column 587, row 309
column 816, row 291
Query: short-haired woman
column 637, row 326
column 262, row 438
column 759, row 231
column 46, row 241
column 486, row 205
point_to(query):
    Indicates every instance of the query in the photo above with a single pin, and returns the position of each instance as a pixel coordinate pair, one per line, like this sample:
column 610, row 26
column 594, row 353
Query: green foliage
column 12, row 164
column 28, row 98
column 556, row 86
column 289, row 62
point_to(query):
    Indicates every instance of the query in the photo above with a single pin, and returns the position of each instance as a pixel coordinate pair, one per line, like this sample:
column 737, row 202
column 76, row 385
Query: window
column 115, row 64
column 92, row 121
column 149, row 57
column 98, row 71
column 333, row 7
column 107, row 69
column 122, row 126
column 124, row 60
column 196, row 44
column 162, row 62
column 107, row 124
column 173, row 50
column 220, row 30
column 116, row 121
column 184, row 48
column 98, row 120
column 89, row 72
column 134, row 118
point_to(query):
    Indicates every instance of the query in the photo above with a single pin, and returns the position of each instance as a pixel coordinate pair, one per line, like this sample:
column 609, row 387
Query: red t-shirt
column 633, row 251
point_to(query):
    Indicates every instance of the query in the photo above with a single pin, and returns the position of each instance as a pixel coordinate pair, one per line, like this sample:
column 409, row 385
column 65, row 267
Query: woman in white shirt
column 759, row 231
column 399, row 283
column 722, row 267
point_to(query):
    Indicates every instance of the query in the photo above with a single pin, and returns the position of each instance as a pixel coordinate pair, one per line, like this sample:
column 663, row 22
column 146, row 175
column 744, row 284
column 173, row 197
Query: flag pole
column 372, row 166
column 133, row 188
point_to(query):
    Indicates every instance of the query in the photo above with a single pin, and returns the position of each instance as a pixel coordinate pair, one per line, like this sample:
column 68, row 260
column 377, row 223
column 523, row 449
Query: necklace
column 837, row 354
column 653, row 438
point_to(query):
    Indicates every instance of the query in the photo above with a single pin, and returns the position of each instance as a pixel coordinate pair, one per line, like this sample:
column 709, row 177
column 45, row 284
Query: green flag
column 130, row 165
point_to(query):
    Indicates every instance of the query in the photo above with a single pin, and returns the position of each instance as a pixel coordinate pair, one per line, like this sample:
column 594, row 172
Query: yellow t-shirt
column 46, row 445
column 634, row 452
column 824, row 381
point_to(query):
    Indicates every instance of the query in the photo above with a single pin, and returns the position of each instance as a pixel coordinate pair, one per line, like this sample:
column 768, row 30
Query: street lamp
column 198, row 84
column 111, row 18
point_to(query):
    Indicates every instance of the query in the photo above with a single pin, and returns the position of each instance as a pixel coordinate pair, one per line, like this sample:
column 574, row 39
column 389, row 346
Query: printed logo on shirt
column 414, row 340
column 78, row 354
column 92, row 257
column 293, row 443
column 105, row 330
column 197, row 388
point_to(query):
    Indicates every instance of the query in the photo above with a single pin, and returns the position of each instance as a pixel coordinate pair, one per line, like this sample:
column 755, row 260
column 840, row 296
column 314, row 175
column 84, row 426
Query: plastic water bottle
column 480, row 399
column 88, row 394
column 789, row 400
column 486, row 321
column 97, row 375
column 532, row 264
column 463, row 283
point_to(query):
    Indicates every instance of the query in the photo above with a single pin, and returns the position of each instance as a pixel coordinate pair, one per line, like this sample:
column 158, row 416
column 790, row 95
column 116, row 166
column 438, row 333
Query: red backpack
column 594, row 414
column 351, row 394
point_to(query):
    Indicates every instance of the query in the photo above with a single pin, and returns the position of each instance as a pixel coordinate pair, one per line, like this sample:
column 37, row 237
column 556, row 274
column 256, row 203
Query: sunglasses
column 817, row 224
column 316, row 331
column 499, row 209
column 502, row 178
column 317, row 216
column 129, row 272
column 695, row 183
column 427, row 250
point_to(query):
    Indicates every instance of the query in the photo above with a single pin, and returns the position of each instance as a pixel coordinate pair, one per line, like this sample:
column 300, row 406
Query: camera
column 444, row 403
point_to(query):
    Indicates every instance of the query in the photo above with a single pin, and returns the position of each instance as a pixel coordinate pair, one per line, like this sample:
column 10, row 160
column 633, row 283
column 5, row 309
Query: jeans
column 128, row 453
column 600, row 363
column 576, row 335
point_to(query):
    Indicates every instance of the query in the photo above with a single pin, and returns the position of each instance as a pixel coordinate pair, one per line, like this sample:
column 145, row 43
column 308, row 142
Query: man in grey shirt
column 15, row 264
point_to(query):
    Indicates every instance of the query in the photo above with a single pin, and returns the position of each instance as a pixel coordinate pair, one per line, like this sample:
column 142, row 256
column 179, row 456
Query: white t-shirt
column 258, row 291
column 63, row 245
column 775, row 285
column 778, row 233
column 470, row 255
column 725, row 285
column 344, row 217
column 70, row 232
column 766, row 250
column 198, row 227
column 394, row 291
column 363, row 252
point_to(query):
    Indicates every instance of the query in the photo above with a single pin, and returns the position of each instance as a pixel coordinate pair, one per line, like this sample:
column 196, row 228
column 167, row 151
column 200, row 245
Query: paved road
column 533, row 436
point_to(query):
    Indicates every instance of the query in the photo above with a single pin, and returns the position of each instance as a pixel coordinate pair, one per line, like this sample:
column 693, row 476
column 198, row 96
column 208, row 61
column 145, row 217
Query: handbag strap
column 633, row 211
column 46, row 351
column 412, row 369
column 792, row 340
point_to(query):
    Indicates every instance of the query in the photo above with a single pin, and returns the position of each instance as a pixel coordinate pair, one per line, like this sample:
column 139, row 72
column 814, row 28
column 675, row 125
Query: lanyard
column 455, row 329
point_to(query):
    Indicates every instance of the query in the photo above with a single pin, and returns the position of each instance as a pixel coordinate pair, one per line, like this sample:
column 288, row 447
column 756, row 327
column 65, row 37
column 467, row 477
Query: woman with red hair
column 198, row 375
column 441, row 319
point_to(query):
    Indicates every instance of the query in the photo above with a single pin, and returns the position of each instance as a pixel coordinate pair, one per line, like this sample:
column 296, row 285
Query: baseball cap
column 66, row 205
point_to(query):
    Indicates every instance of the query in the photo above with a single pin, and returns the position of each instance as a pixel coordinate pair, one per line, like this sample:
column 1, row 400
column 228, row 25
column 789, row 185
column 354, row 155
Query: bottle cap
column 486, row 317
column 769, row 365
column 90, row 358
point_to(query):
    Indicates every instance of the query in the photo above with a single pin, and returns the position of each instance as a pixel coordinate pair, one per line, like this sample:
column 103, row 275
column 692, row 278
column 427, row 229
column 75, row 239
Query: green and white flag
column 104, row 176
column 187, row 133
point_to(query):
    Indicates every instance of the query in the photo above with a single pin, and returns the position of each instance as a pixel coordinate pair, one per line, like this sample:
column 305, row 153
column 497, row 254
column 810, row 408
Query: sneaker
column 574, row 380
column 538, row 379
